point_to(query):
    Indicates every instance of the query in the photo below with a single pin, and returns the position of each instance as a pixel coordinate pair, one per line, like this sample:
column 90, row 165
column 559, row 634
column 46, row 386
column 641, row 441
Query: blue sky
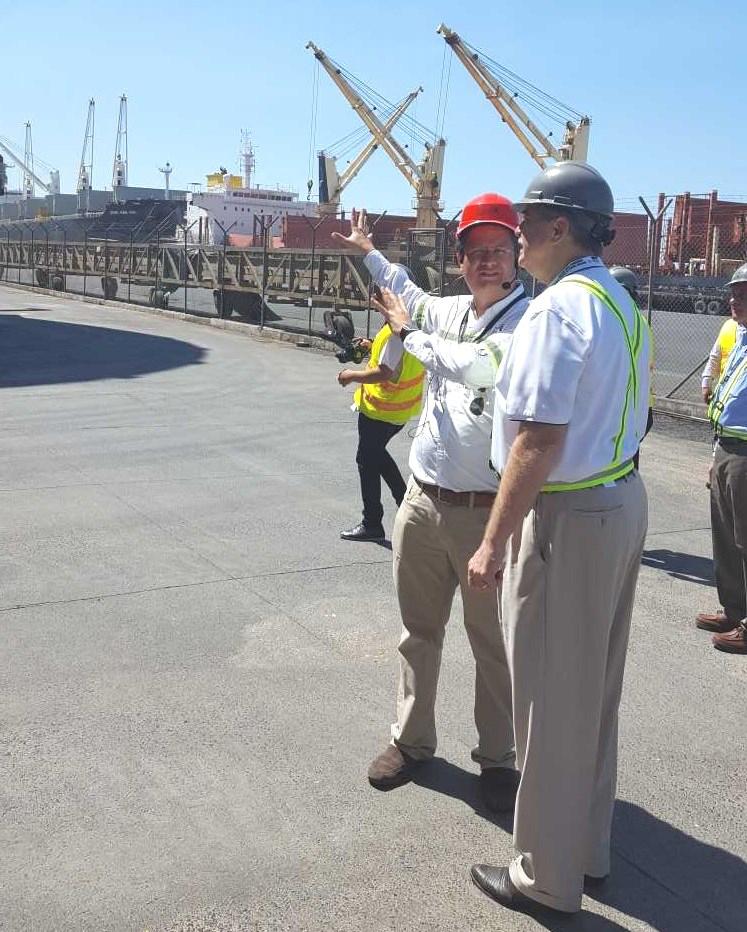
column 663, row 82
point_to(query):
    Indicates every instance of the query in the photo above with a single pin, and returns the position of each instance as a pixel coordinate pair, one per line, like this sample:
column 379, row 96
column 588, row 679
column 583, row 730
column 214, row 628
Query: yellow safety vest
column 727, row 337
column 634, row 342
column 393, row 402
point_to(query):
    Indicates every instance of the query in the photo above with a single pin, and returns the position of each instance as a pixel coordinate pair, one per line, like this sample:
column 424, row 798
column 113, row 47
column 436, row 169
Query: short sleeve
column 391, row 355
column 543, row 367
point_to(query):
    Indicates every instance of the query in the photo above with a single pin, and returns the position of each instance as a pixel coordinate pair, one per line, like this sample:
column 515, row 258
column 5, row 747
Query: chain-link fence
column 683, row 249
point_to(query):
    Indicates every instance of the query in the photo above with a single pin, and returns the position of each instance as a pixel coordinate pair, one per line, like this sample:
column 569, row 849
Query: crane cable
column 443, row 95
column 313, row 124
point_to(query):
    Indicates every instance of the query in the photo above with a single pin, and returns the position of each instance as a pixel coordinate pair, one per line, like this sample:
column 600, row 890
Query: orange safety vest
column 397, row 401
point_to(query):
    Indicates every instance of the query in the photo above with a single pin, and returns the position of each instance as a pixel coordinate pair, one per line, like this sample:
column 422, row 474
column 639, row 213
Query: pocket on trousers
column 596, row 512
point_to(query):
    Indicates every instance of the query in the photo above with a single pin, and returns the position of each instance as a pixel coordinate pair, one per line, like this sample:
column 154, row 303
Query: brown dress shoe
column 733, row 642
column 716, row 621
column 392, row 768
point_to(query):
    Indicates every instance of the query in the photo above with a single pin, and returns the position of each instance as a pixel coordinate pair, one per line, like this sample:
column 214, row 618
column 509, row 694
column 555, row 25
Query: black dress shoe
column 593, row 882
column 362, row 532
column 498, row 786
column 496, row 883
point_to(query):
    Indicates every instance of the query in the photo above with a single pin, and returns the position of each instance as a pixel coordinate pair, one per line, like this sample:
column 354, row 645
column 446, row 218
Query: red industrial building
column 706, row 236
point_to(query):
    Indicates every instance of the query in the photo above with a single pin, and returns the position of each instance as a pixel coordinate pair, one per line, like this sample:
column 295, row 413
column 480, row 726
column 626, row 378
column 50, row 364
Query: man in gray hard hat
column 565, row 536
column 727, row 412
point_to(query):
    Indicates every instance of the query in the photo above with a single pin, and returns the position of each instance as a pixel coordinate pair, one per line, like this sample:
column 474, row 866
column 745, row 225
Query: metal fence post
column 20, row 253
column 314, row 228
column 186, row 230
column 652, row 259
column 266, row 229
column 129, row 270
column 85, row 261
column 156, row 301
column 32, row 264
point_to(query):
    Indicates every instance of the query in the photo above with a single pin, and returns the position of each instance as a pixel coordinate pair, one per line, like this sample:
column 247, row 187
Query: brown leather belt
column 467, row 499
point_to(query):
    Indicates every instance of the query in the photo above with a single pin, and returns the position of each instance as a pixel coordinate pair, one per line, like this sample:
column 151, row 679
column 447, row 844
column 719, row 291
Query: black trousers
column 375, row 464
column 649, row 425
column 729, row 526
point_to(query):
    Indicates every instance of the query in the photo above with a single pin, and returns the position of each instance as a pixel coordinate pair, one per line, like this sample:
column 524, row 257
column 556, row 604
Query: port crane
column 30, row 178
column 119, row 168
column 504, row 89
column 85, row 171
column 425, row 177
column 332, row 184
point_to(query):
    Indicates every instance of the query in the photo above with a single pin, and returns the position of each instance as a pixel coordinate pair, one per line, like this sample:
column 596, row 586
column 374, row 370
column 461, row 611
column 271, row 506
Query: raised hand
column 393, row 310
column 359, row 237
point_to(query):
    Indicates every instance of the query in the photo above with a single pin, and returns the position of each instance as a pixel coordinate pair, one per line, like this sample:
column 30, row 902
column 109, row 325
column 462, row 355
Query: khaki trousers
column 568, row 594
column 432, row 544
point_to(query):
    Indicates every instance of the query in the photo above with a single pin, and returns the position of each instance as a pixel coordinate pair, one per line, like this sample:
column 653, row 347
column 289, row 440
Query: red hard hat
column 488, row 208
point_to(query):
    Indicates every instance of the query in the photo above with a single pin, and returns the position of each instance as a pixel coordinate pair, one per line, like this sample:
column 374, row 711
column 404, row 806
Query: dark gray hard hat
column 740, row 275
column 573, row 186
column 626, row 278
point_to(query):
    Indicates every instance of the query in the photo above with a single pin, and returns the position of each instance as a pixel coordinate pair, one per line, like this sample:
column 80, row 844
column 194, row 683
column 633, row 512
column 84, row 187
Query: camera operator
column 390, row 392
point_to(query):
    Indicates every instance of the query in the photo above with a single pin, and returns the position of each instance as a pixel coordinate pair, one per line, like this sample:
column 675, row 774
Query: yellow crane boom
column 424, row 178
column 576, row 139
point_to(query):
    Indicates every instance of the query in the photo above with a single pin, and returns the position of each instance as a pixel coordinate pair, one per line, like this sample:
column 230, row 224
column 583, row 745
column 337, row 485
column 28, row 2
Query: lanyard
column 577, row 265
column 489, row 327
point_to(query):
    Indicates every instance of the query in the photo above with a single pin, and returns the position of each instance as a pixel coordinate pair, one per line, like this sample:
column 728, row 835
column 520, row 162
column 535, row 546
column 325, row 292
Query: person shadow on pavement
column 685, row 566
column 660, row 875
column 35, row 351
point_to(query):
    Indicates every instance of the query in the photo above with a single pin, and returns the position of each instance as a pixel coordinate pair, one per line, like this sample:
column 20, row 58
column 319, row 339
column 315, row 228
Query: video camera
column 340, row 330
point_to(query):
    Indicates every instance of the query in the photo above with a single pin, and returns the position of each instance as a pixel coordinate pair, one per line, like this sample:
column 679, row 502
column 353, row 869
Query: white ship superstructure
column 232, row 206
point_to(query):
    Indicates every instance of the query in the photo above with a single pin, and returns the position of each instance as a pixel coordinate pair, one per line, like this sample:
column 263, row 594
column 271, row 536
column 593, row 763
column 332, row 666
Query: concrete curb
column 266, row 334
column 695, row 410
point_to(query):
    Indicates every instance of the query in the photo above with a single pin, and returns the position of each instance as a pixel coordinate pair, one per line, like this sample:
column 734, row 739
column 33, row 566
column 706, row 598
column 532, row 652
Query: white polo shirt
column 451, row 444
column 569, row 363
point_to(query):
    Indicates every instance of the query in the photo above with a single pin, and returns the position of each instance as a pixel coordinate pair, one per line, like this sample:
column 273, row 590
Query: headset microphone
column 506, row 285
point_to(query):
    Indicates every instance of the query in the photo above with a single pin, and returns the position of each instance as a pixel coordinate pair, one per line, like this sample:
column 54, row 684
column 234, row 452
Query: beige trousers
column 432, row 544
column 568, row 596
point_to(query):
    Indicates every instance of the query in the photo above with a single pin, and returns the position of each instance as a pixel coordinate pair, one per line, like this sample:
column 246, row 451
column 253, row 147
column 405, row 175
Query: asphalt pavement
column 196, row 670
column 682, row 341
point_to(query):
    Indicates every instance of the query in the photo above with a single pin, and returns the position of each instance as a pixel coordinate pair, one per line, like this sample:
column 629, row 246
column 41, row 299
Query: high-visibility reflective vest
column 727, row 337
column 727, row 410
column 397, row 401
column 634, row 342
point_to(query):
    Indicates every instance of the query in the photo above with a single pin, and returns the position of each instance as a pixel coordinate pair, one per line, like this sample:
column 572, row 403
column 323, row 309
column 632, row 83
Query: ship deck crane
column 119, row 168
column 503, row 88
column 50, row 187
column 85, row 171
column 424, row 178
column 332, row 184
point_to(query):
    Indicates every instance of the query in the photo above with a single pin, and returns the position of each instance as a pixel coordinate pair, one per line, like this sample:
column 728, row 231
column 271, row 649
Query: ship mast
column 247, row 158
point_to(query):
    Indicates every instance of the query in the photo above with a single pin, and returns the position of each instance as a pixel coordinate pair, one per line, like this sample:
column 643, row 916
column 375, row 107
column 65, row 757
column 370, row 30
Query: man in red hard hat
column 460, row 341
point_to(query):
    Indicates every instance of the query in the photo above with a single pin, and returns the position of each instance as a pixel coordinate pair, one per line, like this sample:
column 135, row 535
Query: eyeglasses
column 484, row 255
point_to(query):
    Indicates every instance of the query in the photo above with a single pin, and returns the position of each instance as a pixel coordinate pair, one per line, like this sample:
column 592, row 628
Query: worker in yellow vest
column 389, row 393
column 629, row 281
column 714, row 368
